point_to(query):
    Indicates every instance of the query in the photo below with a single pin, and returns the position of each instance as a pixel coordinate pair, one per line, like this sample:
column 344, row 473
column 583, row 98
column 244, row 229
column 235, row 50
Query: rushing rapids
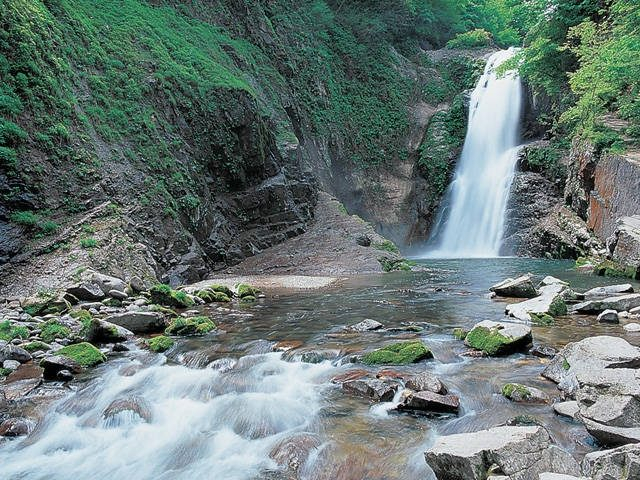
column 471, row 221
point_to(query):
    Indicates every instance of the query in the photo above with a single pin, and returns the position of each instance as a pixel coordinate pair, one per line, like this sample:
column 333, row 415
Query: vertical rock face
column 615, row 193
column 624, row 244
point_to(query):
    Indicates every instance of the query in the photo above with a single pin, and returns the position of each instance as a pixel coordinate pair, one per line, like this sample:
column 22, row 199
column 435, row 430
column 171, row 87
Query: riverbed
column 217, row 406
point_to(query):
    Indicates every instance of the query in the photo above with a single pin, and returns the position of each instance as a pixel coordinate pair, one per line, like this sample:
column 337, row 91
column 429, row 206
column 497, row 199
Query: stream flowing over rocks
column 421, row 375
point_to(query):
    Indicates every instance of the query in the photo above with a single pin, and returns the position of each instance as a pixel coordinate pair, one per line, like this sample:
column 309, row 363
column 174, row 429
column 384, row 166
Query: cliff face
column 201, row 132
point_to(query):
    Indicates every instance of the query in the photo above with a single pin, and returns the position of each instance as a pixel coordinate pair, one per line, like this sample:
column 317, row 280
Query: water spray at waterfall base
column 470, row 222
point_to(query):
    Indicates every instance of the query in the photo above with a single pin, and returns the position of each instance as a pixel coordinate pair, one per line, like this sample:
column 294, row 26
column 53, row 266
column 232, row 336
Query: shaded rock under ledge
column 521, row 453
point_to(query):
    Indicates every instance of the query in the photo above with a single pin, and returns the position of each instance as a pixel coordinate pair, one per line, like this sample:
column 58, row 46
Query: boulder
column 622, row 463
column 118, row 295
column 87, row 291
column 13, row 352
column 16, row 427
column 608, row 291
column 559, row 476
column 55, row 363
column 133, row 405
column 292, row 452
column 21, row 382
column 425, row 381
column 498, row 338
column 366, row 325
column 108, row 283
column 138, row 322
column 12, row 365
column 517, row 392
column 632, row 327
column 624, row 244
column 618, row 303
column 521, row 287
column 521, row 453
column 549, row 280
column 609, row 403
column 587, row 355
column 608, row 316
column 373, row 388
column 549, row 302
column 567, row 409
column 101, row 331
column 543, row 351
column 430, row 402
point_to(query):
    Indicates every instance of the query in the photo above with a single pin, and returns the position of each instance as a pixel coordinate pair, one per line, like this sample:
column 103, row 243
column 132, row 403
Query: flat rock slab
column 426, row 382
column 521, row 453
column 138, row 322
column 373, row 388
column 542, row 304
column 521, row 287
column 430, row 402
column 608, row 291
column 567, row 409
column 367, row 325
column 618, row 303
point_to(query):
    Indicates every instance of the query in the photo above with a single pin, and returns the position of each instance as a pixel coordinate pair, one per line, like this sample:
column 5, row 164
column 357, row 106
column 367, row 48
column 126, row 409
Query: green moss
column 510, row 389
column 609, row 268
column 210, row 296
column 8, row 332
column 165, row 295
column 542, row 318
column 245, row 290
column 221, row 289
column 558, row 307
column 490, row 341
column 190, row 326
column 248, row 299
column 395, row 265
column 35, row 346
column 387, row 246
column 460, row 333
column 565, row 364
column 88, row 242
column 5, row 372
column 53, row 329
column 83, row 353
column 401, row 353
column 160, row 343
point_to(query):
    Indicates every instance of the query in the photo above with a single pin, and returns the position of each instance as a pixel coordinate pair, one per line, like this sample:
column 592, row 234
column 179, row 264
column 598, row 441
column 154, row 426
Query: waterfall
column 471, row 220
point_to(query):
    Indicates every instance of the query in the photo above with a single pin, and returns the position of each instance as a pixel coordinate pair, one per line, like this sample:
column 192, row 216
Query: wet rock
column 350, row 375
column 521, row 287
column 632, row 327
column 367, row 325
column 133, row 405
column 286, row 345
column 608, row 291
column 543, row 351
column 549, row 302
column 517, row 392
column 22, row 382
column 498, row 338
column 617, row 303
column 567, row 409
column 622, row 463
column 101, row 331
column 430, row 402
column 399, row 353
column 13, row 352
column 590, row 355
column 608, row 316
column 16, row 427
column 55, row 363
column 521, row 453
column 373, row 388
column 292, row 452
column 120, row 347
column 426, row 382
column 10, row 365
column 138, row 322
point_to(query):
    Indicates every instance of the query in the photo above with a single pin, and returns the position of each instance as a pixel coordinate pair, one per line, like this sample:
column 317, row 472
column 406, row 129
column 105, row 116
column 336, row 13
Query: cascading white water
column 471, row 222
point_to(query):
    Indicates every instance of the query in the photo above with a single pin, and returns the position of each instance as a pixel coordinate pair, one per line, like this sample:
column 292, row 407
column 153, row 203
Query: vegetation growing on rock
column 460, row 333
column 83, row 353
column 164, row 295
column 510, row 389
column 400, row 353
column 52, row 330
column 244, row 290
column 488, row 340
column 9, row 332
column 160, row 343
column 190, row 326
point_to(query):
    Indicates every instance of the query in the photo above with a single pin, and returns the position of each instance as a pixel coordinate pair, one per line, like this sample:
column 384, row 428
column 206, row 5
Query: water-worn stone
column 430, row 402
column 608, row 291
column 426, row 381
column 498, row 338
column 632, row 327
column 590, row 355
column 108, row 283
column 135, row 405
column 373, row 388
column 622, row 463
column 543, row 351
column 89, row 291
column 11, row 365
column 558, row 476
column 618, row 303
column 292, row 452
column 521, row 453
column 549, row 302
column 138, row 322
column 22, row 382
column 16, row 427
column 608, row 316
column 567, row 409
column 517, row 392
column 118, row 295
column 521, row 287
column 366, row 325
column 101, row 331
column 13, row 352
column 55, row 363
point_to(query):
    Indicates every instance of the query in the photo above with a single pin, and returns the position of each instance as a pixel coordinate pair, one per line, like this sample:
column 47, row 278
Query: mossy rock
column 515, row 390
column 221, row 289
column 460, row 333
column 211, row 296
column 401, row 353
column 557, row 308
column 84, row 317
column 48, row 306
column 8, row 331
column 542, row 318
column 83, row 353
column 160, row 343
column 395, row 265
column 245, row 290
column 164, row 295
column 52, row 330
column 190, row 326
column 35, row 346
column 248, row 299
column 609, row 268
column 494, row 338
